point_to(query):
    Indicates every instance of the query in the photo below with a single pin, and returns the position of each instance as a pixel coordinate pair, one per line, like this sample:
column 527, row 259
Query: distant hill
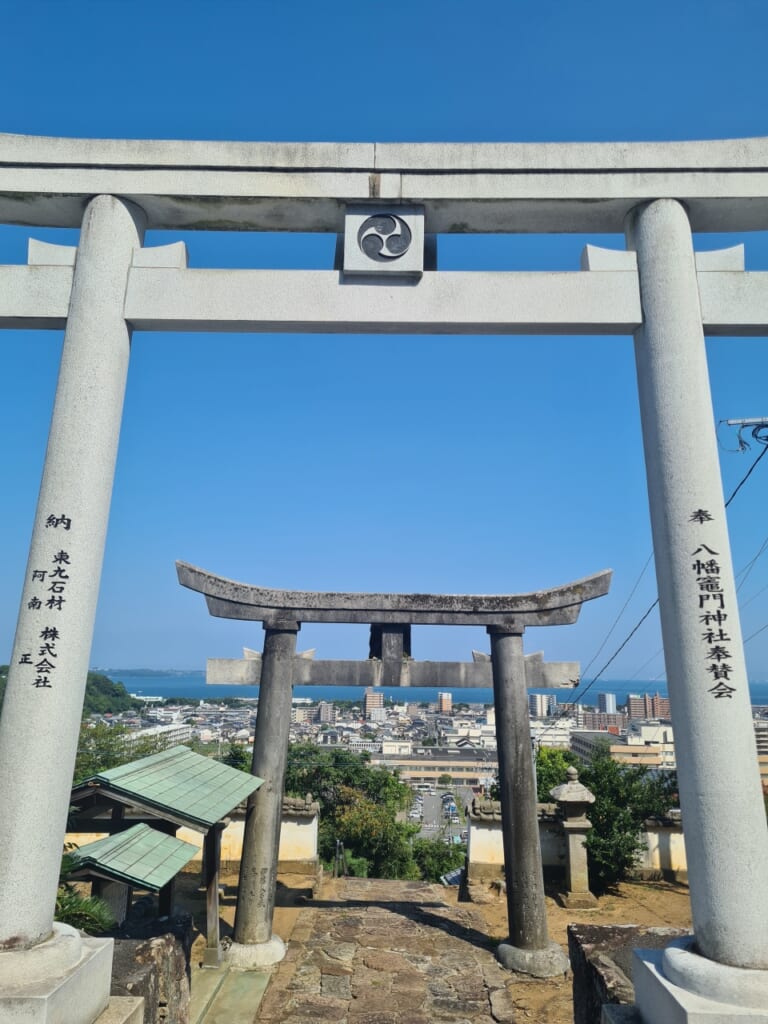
column 102, row 695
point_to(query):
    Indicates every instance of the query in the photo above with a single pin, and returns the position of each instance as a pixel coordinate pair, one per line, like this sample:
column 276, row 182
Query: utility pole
column 758, row 424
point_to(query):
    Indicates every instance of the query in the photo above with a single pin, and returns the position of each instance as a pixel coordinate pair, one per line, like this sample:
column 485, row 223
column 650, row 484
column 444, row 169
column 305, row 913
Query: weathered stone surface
column 334, row 967
column 373, row 1000
column 377, row 1017
column 156, row 968
column 412, row 960
column 384, row 961
column 337, row 986
column 457, row 1007
column 502, row 1006
column 325, row 1009
column 601, row 961
column 343, row 951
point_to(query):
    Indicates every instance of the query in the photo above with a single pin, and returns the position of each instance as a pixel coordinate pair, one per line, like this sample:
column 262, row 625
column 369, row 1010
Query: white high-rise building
column 541, row 705
column 606, row 702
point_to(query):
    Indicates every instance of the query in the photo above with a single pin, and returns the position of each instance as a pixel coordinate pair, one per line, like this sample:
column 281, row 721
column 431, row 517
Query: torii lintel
column 555, row 607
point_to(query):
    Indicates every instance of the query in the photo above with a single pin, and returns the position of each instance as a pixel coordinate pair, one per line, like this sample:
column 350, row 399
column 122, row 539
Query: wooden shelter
column 175, row 788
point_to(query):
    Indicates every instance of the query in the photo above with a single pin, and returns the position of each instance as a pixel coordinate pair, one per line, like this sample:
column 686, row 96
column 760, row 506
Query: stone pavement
column 369, row 951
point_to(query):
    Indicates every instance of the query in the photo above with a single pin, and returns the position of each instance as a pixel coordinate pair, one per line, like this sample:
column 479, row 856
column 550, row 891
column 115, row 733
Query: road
column 435, row 824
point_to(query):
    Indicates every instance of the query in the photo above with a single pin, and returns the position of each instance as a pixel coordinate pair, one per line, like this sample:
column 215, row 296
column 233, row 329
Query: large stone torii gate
column 391, row 616
column 387, row 202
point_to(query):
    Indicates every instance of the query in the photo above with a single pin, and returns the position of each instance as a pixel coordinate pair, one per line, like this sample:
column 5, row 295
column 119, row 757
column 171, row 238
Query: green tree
column 102, row 694
column 551, row 766
column 435, row 858
column 370, row 830
column 238, row 757
column 359, row 806
column 444, row 779
column 311, row 769
column 625, row 795
column 552, row 763
column 102, row 746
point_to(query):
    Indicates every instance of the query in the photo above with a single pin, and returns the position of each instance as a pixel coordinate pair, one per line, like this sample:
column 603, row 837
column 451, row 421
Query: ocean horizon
column 177, row 683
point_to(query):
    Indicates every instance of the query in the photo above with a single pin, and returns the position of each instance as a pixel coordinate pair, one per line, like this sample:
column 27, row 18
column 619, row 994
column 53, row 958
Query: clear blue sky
column 354, row 463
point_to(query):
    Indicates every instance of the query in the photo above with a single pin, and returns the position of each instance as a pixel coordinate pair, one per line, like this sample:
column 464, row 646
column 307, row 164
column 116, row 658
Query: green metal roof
column 139, row 856
column 194, row 788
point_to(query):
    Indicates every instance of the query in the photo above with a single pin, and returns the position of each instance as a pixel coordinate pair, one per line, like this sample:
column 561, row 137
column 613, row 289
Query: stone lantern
column 573, row 799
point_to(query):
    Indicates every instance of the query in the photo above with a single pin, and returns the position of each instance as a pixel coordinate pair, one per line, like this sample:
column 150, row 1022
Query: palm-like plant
column 86, row 913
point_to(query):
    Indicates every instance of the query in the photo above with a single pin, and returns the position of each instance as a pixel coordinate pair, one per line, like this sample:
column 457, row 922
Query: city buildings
column 643, row 705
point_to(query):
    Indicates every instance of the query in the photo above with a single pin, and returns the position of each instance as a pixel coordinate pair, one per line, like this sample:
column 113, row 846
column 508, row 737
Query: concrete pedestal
column 677, row 986
column 66, row 978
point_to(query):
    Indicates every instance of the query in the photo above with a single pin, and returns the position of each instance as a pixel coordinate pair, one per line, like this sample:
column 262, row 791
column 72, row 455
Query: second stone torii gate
column 505, row 617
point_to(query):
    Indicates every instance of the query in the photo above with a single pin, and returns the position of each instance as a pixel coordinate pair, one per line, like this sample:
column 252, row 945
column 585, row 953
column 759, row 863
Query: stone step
column 237, row 999
column 122, row 1010
column 205, row 984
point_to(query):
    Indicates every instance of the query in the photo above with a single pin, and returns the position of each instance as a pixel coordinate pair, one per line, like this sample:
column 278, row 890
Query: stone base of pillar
column 539, row 963
column 678, row 986
column 577, row 900
column 253, row 956
column 67, row 977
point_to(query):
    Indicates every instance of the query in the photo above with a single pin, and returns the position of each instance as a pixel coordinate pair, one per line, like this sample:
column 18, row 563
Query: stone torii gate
column 387, row 202
column 391, row 616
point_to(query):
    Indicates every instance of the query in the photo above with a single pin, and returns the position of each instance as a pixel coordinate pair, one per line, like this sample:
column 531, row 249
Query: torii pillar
column 47, row 970
column 725, row 962
column 254, row 943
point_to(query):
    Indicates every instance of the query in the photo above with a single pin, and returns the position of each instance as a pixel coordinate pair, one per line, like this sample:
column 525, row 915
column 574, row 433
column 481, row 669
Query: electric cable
column 578, row 697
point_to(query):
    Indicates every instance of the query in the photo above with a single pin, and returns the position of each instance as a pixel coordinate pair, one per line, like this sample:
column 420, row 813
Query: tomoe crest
column 384, row 237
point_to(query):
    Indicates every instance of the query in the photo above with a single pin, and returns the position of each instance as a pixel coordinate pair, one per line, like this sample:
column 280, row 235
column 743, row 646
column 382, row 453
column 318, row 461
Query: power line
column 618, row 617
column 588, row 687
column 752, row 635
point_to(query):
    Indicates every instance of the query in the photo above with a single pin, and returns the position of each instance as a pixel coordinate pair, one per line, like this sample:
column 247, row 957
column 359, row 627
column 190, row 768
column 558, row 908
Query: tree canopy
column 435, row 857
column 625, row 796
column 359, row 806
column 102, row 694
column 552, row 764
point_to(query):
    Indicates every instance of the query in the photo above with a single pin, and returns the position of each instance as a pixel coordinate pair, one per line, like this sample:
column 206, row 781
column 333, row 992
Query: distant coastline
column 175, row 683
column 160, row 673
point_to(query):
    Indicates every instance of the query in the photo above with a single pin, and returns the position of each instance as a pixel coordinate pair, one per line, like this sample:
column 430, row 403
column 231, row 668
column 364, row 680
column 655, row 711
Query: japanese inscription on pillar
column 49, row 586
column 713, row 612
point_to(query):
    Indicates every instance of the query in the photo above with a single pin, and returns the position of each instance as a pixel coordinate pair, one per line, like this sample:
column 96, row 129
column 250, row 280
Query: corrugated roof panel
column 190, row 785
column 140, row 856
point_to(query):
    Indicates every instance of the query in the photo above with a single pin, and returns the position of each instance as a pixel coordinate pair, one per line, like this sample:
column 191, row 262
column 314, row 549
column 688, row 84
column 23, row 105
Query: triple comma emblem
column 384, row 237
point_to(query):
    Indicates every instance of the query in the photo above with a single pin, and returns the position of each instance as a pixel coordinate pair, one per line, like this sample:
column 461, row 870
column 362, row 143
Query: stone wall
column 663, row 856
column 601, row 961
column 154, row 962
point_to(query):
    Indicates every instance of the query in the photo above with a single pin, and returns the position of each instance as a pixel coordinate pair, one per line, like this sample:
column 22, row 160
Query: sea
column 191, row 684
